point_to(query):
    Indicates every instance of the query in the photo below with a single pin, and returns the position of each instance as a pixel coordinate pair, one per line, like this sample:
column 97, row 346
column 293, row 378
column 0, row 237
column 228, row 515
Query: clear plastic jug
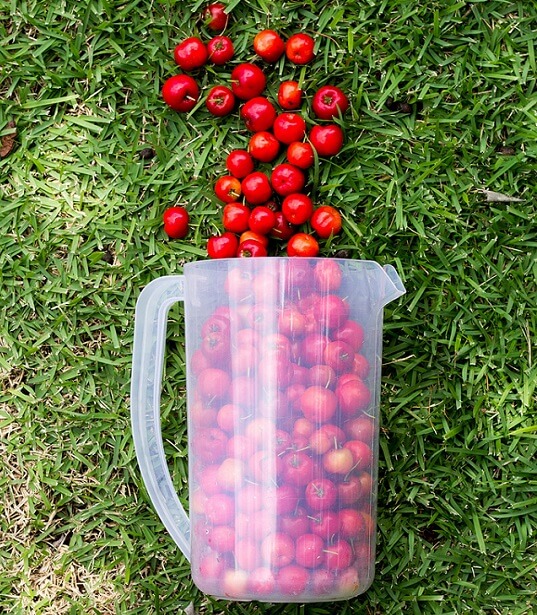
column 283, row 384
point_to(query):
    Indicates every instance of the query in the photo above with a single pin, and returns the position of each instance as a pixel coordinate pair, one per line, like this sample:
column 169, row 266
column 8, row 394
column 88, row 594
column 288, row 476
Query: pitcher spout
column 394, row 286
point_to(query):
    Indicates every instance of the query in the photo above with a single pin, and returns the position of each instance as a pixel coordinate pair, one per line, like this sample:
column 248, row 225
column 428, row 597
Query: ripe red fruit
column 251, row 248
column 220, row 101
column 282, row 228
column 297, row 208
column 293, row 579
column 339, row 555
column 269, row 45
column 328, row 278
column 215, row 17
column 258, row 114
column 278, row 550
column 302, row 244
column 328, row 102
column 353, row 396
column 321, row 494
column 327, row 139
column 309, row 550
column 222, row 246
column 326, row 221
column 235, row 217
column 256, row 188
column 300, row 154
column 287, row 179
column 289, row 127
column 299, row 48
column 176, row 222
column 318, row 404
column 227, row 188
column 181, row 93
column 247, row 81
column 261, row 220
column 289, row 95
column 220, row 50
column 239, row 163
column 339, row 356
column 190, row 53
column 263, row 146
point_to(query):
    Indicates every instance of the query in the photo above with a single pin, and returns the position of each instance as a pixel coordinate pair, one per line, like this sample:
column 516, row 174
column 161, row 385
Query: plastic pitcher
column 283, row 384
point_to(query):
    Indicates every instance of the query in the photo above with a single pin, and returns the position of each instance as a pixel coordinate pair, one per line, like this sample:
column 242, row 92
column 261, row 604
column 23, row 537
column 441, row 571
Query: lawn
column 443, row 109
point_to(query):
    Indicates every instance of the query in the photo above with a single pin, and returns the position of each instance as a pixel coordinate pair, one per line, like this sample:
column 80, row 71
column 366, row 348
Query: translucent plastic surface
column 283, row 382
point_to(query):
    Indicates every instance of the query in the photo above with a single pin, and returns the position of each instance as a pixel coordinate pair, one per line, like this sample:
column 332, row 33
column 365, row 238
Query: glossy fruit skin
column 220, row 101
column 220, row 50
column 247, row 81
column 190, row 53
column 227, row 188
column 222, row 246
column 261, row 220
column 215, row 17
column 297, row 208
column 256, row 188
column 302, row 244
column 181, row 93
column 264, row 146
column 300, row 154
column 326, row 221
column 239, row 163
column 235, row 217
column 329, row 101
column 258, row 114
column 289, row 95
column 251, row 248
column 287, row 179
column 176, row 221
column 327, row 139
column 282, row 228
column 299, row 48
column 289, row 127
column 269, row 45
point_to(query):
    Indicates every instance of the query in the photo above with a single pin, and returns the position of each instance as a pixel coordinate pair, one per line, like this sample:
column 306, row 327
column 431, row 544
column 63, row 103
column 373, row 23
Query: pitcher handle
column 151, row 315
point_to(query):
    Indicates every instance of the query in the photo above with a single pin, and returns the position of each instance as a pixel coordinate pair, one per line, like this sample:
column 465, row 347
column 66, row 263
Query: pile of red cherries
column 264, row 190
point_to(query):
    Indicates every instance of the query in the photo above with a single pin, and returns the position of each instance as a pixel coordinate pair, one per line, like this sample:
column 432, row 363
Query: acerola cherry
column 299, row 48
column 329, row 101
column 190, row 53
column 326, row 221
column 220, row 50
column 289, row 95
column 256, row 188
column 300, row 154
column 269, row 45
column 287, row 179
column 247, row 81
column 302, row 244
column 176, row 222
column 239, row 163
column 258, row 114
column 289, row 127
column 251, row 248
column 227, row 188
column 261, row 220
column 327, row 140
column 181, row 93
column 297, row 208
column 222, row 246
column 215, row 17
column 220, row 101
column 264, row 146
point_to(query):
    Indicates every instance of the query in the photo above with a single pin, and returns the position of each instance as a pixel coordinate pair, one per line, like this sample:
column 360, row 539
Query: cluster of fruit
column 282, row 442
column 260, row 204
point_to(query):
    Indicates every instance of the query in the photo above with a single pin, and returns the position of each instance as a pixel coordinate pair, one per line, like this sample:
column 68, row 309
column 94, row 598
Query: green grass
column 80, row 236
